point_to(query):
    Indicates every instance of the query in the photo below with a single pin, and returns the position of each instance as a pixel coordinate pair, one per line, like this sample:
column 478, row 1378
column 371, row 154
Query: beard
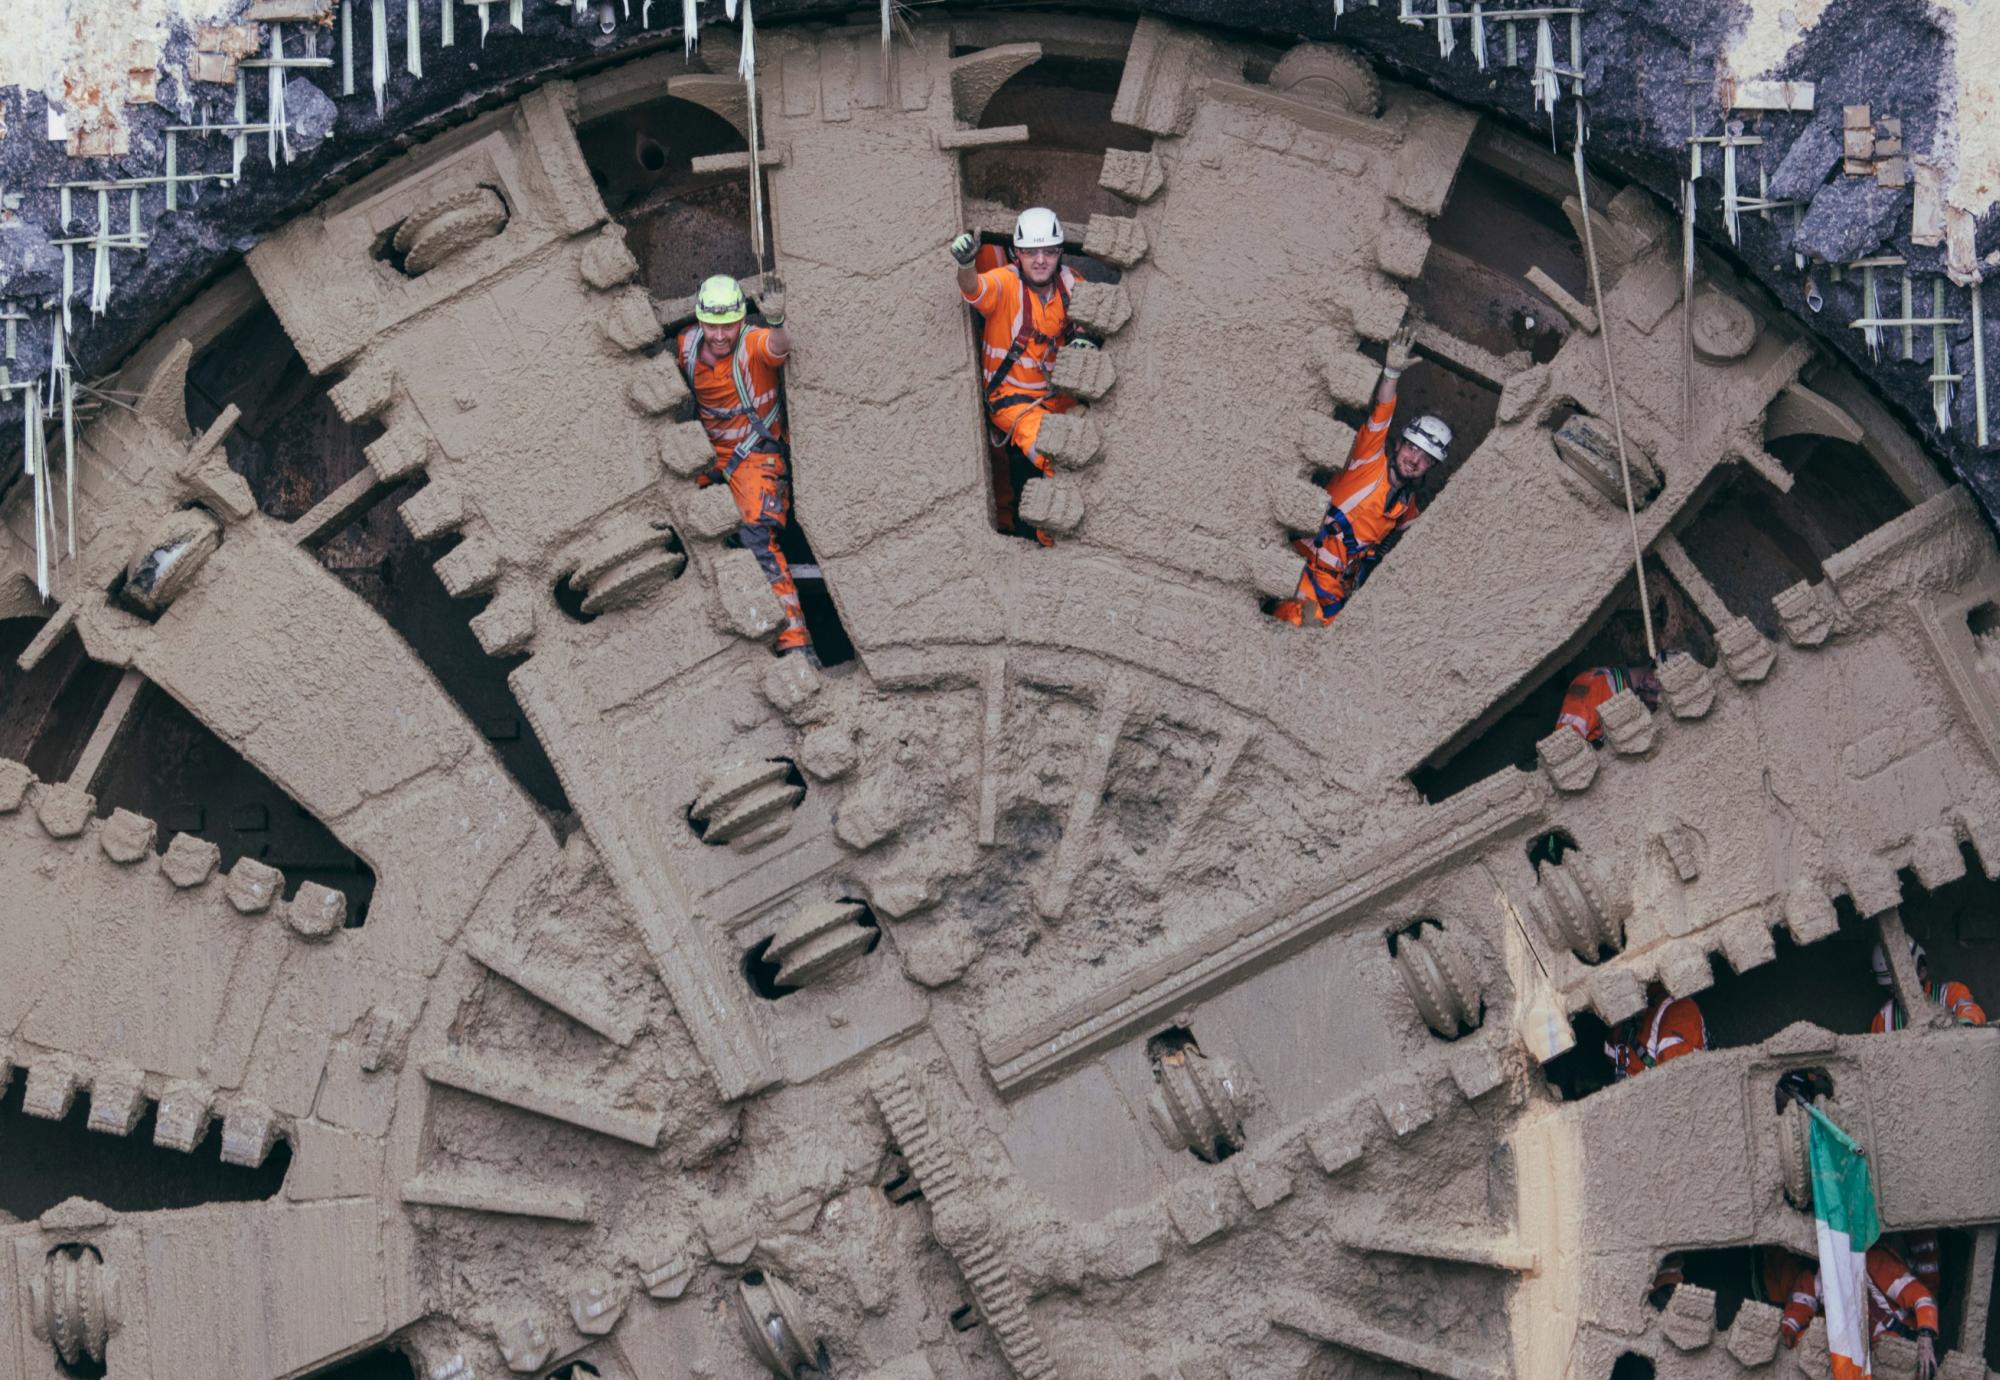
column 1040, row 279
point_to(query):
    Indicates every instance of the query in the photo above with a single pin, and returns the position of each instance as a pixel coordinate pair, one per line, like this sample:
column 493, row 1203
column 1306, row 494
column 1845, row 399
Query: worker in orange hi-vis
column 1593, row 687
column 733, row 372
column 1024, row 307
column 1898, row 1301
column 1667, row 1029
column 1955, row 997
column 1371, row 500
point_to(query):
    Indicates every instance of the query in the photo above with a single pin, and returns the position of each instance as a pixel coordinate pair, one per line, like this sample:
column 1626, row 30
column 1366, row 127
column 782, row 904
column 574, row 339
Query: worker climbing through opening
column 1025, row 309
column 1954, row 997
column 733, row 372
column 1371, row 500
column 1898, row 1302
column 1592, row 687
column 1668, row 1029
column 1629, row 666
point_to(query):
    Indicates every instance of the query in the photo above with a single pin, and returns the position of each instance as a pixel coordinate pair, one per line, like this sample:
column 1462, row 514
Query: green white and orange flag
column 1844, row 1214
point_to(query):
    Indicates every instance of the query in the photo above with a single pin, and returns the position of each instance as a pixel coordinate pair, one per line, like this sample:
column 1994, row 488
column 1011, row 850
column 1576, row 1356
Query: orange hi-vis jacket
column 1926, row 1260
column 1897, row 1299
column 1954, row 997
column 1657, row 1035
column 1014, row 314
column 749, row 449
column 1366, row 508
column 1585, row 694
column 1792, row 1282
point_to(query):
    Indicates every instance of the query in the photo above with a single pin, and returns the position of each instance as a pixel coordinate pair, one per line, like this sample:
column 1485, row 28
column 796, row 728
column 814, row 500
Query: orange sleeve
column 1682, row 1032
column 1801, row 1307
column 992, row 294
column 1579, row 705
column 1958, row 1000
column 1880, row 1024
column 1372, row 439
column 1902, row 1288
column 761, row 351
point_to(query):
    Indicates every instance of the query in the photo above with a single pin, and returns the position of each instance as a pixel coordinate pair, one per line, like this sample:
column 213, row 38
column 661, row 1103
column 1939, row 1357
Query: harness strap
column 746, row 406
column 1027, row 335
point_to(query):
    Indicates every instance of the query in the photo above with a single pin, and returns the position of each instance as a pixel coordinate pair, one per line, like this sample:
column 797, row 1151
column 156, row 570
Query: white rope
column 1687, row 321
column 746, row 67
column 1617, row 414
column 413, row 41
column 1548, row 87
column 379, row 26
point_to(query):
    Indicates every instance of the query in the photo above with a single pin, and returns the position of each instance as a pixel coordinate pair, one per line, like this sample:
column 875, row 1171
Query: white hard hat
column 1429, row 435
column 1880, row 961
column 1038, row 228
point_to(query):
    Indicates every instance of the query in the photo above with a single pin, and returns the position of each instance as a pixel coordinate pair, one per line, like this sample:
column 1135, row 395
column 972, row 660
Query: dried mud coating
column 1092, row 977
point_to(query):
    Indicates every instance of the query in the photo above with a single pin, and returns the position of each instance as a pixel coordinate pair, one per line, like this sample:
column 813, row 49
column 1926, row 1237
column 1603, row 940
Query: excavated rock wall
column 1652, row 74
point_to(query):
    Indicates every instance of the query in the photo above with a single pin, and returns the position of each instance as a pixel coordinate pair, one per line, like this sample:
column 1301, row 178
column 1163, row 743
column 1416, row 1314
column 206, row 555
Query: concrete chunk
column 183, row 1117
column 126, row 837
column 1687, row 686
column 364, row 394
column 1265, row 1184
column 249, row 1130
column 399, row 453
column 1628, row 724
column 252, row 885
column 685, row 449
column 472, row 567
column 1746, row 653
column 1689, row 1320
column 658, row 388
column 1616, row 995
column 51, row 1090
column 1071, row 440
column 1133, row 175
column 1405, row 1104
column 316, row 911
column 1054, row 505
column 1567, row 759
column 711, row 513
column 1083, row 372
column 629, row 323
column 1335, row 1143
column 1100, row 308
column 749, row 608
column 507, row 625
column 1753, row 1335
column 1296, row 505
column 606, row 262
column 14, row 782
column 1684, row 968
column 117, row 1101
column 1116, row 240
column 64, row 809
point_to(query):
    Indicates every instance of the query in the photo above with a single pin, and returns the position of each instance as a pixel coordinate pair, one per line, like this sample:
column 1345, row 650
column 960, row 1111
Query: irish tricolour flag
column 1844, row 1213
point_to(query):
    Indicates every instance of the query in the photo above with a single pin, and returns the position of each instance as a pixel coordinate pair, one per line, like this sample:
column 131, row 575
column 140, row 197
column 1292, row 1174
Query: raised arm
column 964, row 252
column 1401, row 353
column 771, row 305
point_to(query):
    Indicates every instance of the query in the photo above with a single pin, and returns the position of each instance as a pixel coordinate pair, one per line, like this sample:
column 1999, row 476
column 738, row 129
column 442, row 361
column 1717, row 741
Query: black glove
column 965, row 249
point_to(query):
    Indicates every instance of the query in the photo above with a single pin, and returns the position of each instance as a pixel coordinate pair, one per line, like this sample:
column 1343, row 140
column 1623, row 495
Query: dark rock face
column 1649, row 80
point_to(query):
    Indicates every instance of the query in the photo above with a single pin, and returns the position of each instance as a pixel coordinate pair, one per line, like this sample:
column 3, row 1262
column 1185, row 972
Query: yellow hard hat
column 720, row 302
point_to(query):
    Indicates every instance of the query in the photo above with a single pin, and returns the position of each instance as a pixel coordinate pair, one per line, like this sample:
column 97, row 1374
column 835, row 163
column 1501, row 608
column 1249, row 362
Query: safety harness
column 1024, row 337
column 761, row 423
column 1359, row 558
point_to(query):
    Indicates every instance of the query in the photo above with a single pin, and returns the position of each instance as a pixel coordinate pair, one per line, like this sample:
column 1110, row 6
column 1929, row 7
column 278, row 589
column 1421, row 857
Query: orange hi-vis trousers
column 763, row 496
